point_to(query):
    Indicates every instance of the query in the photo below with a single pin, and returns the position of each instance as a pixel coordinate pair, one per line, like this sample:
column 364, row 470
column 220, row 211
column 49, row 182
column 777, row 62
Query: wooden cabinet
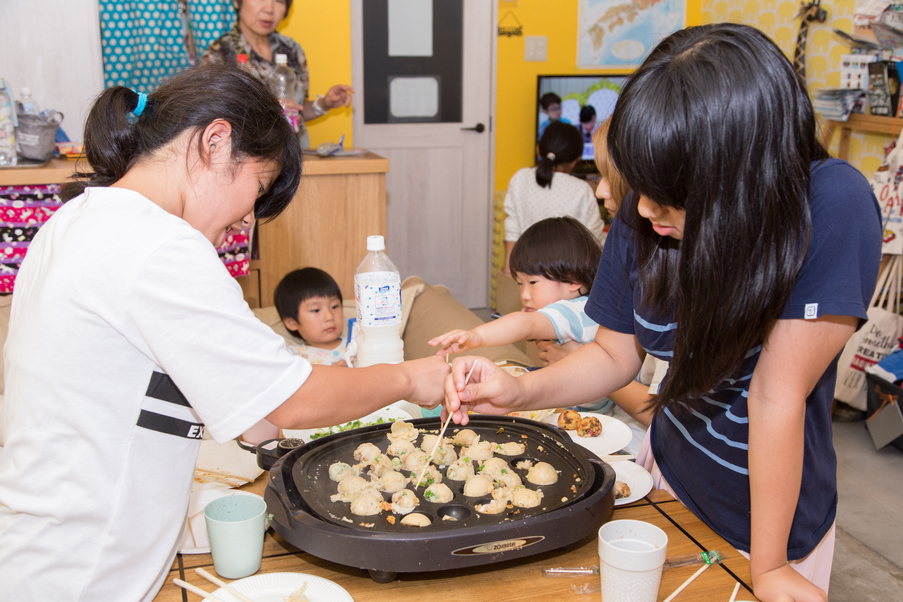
column 858, row 121
column 341, row 201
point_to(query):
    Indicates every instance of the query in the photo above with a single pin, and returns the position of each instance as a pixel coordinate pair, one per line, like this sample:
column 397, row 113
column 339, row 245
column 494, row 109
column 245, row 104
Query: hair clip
column 550, row 156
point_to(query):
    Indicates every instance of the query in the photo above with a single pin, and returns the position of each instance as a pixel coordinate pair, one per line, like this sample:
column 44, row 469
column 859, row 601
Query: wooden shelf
column 858, row 121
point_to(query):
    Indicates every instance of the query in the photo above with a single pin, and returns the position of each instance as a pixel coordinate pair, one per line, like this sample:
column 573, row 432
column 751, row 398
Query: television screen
column 591, row 97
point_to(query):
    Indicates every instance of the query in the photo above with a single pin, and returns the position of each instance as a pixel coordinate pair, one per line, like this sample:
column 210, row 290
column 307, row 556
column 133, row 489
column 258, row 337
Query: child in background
column 587, row 122
column 550, row 105
column 548, row 190
column 309, row 303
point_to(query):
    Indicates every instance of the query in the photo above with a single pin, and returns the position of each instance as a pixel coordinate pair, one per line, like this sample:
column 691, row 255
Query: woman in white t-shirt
column 548, row 190
column 128, row 338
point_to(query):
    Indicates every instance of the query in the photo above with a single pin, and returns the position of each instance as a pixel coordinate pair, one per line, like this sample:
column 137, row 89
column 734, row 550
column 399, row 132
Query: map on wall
column 620, row 33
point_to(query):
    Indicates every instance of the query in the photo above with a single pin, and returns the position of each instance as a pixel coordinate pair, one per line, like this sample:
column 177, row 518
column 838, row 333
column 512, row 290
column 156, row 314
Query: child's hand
column 456, row 341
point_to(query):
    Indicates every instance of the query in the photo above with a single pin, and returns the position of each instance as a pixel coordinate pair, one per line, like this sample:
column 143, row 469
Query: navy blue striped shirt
column 702, row 452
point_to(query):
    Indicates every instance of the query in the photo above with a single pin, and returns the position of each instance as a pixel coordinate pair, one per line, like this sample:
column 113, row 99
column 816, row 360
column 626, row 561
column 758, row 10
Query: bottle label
column 378, row 299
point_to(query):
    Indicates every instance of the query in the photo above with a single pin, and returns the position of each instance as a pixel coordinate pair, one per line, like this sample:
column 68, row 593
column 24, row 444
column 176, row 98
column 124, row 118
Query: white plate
column 637, row 478
column 227, row 457
column 615, row 434
column 277, row 587
column 196, row 504
column 387, row 413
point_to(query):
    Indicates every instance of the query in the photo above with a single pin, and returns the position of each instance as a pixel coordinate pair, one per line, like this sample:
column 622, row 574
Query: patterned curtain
column 145, row 42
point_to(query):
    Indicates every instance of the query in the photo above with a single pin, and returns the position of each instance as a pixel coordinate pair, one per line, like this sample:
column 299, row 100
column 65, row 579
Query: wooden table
column 509, row 581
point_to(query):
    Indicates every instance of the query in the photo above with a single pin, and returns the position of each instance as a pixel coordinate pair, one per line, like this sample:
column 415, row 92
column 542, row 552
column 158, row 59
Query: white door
column 440, row 147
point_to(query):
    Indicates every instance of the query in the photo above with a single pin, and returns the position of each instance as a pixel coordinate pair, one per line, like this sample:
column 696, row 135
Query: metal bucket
column 36, row 135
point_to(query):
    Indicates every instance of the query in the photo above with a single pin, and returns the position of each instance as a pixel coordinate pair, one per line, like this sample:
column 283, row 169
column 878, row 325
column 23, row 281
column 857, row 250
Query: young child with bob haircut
column 309, row 302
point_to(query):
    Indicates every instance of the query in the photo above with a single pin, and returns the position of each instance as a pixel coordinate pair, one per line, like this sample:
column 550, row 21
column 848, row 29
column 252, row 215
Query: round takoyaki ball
column 526, row 498
column 381, row 465
column 542, row 473
column 391, row 482
column 428, row 442
column 353, row 485
column 416, row 520
column 460, row 470
column 402, row 431
column 589, row 427
column 493, row 507
column 340, row 471
column 432, row 475
column 478, row 486
column 438, row 493
column 366, row 504
column 480, row 451
column 622, row 490
column 512, row 448
column 415, row 460
column 404, row 501
column 510, row 480
column 569, row 419
column 366, row 452
column 493, row 468
column 444, row 455
column 465, row 437
column 400, row 448
column 501, row 494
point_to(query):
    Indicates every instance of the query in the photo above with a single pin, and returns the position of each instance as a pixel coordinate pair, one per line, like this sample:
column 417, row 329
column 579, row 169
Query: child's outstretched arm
column 507, row 329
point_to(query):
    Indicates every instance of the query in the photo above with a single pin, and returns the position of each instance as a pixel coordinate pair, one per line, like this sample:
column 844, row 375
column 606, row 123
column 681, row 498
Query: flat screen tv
column 576, row 92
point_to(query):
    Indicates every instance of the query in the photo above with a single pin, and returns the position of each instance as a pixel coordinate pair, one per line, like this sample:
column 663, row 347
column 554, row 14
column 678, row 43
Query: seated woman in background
column 254, row 34
column 548, row 190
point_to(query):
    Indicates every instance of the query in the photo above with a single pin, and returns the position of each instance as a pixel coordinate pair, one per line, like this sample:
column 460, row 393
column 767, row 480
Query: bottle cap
column 241, row 58
column 281, row 59
column 26, row 91
column 376, row 243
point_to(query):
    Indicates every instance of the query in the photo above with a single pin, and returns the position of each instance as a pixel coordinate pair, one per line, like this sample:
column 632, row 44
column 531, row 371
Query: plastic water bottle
column 283, row 80
column 377, row 295
column 27, row 104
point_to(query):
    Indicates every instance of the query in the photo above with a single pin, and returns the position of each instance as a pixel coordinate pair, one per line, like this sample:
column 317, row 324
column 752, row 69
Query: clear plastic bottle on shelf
column 27, row 104
column 377, row 295
column 283, row 80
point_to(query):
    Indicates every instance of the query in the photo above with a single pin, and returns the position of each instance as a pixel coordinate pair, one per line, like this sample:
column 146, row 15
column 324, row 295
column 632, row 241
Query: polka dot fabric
column 144, row 41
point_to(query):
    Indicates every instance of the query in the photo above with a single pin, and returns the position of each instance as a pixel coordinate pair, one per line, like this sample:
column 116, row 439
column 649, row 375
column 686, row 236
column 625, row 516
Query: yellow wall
column 516, row 81
column 324, row 31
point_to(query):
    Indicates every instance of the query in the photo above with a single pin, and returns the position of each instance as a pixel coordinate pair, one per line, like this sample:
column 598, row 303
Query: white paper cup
column 631, row 556
column 235, row 527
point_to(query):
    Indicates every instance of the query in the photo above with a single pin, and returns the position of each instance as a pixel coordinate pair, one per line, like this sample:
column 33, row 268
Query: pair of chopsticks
column 441, row 432
column 711, row 558
column 208, row 595
column 219, row 476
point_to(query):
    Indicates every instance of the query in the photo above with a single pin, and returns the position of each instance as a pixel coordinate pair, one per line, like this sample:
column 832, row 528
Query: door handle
column 478, row 128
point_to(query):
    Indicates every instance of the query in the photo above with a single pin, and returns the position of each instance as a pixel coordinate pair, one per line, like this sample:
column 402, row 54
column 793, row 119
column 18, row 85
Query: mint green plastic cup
column 235, row 527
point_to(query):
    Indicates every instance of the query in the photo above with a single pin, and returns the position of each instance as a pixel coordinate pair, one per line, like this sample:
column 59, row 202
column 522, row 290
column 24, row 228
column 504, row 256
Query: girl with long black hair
column 746, row 257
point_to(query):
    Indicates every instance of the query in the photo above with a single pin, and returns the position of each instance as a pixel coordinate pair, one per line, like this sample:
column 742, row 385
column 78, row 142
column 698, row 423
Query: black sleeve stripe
column 170, row 426
column 163, row 388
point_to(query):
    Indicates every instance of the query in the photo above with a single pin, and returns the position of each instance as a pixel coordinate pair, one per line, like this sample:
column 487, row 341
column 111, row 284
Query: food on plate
column 366, row 452
column 478, row 486
column 391, row 482
column 569, row 420
column 526, row 498
column 465, row 438
column 438, row 493
column 348, row 426
column 367, row 503
column 404, row 501
column 512, row 448
column 622, row 490
column 460, row 470
column 494, row 468
column 415, row 460
column 402, row 431
column 432, row 475
column 479, row 451
column 542, row 473
column 400, row 448
column 510, row 480
column 537, row 415
column 416, row 520
column 298, row 595
column 589, row 427
column 339, row 471
column 443, row 456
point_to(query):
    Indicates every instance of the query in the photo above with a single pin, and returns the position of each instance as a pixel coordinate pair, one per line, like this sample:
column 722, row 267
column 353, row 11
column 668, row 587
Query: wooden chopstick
column 196, row 590
column 223, row 473
column 687, row 582
column 240, row 596
column 441, row 433
column 734, row 593
column 212, row 478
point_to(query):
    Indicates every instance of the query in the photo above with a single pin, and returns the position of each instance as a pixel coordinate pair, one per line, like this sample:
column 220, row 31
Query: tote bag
column 877, row 337
column 887, row 184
